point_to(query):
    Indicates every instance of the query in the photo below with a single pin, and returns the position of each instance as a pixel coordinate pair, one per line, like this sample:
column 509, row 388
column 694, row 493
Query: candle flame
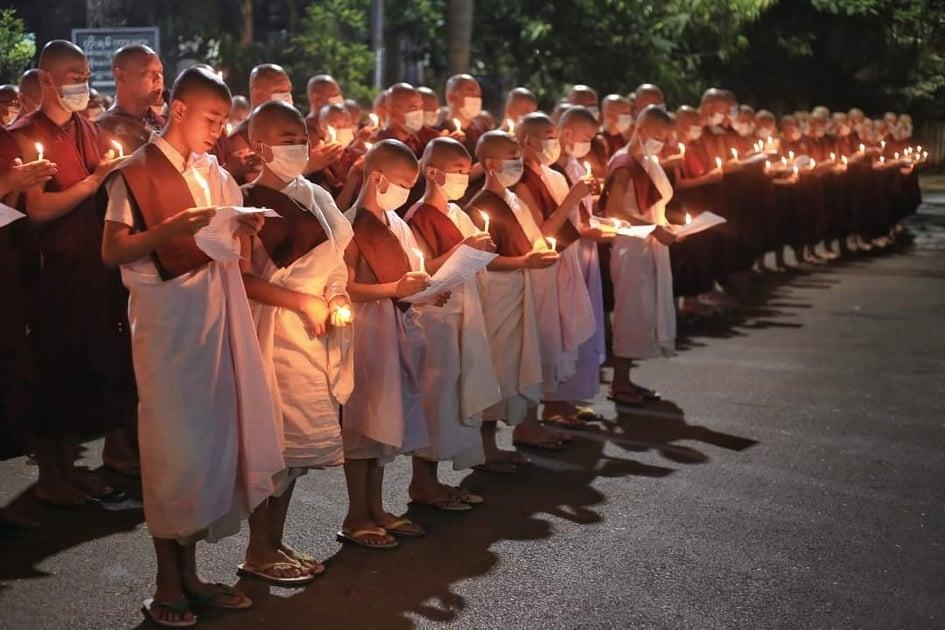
column 844, row 160
column 919, row 149
column 587, row 169
column 485, row 219
column 784, row 161
column 457, row 124
column 833, row 156
column 118, row 147
column 767, row 165
column 718, row 162
column 332, row 134
column 896, row 155
column 734, row 153
column 420, row 258
column 682, row 148
column 552, row 243
column 511, row 125
column 368, row 145
column 688, row 218
column 796, row 171
column 375, row 121
column 862, row 147
column 882, row 159
column 39, row 150
column 790, row 155
column 344, row 314
column 229, row 128
column 813, row 164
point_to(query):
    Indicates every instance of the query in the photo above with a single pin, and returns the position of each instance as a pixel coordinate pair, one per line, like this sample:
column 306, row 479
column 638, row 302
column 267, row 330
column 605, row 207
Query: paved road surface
column 794, row 477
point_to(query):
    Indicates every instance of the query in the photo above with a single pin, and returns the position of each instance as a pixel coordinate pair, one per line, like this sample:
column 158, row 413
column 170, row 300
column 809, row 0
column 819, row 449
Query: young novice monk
column 384, row 415
column 509, row 305
column 295, row 275
column 458, row 379
column 565, row 315
column 208, row 437
column 637, row 190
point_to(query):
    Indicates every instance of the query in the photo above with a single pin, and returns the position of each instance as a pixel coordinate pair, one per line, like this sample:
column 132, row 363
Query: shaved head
column 647, row 94
column 535, row 125
column 583, row 95
column 430, row 100
column 653, row 116
column 687, row 115
column 321, row 90
column 575, row 117
column 132, row 56
column 59, row 52
column 442, row 153
column 31, row 91
column 266, row 73
column 520, row 102
column 388, row 154
column 275, row 117
column 496, row 145
column 267, row 80
column 199, row 82
column 460, row 83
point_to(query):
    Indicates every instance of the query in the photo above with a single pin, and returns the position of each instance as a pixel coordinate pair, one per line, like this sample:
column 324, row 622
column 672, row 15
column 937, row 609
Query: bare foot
column 282, row 565
column 308, row 562
column 349, row 526
column 60, row 493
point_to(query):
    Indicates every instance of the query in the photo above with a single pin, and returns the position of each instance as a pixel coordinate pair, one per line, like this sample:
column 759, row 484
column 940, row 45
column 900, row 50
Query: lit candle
column 457, row 124
column 862, row 147
column 39, row 150
column 552, row 243
column 844, row 160
column 511, row 125
column 882, row 159
column 896, row 155
column 375, row 121
column 119, row 148
column 485, row 220
column 718, row 162
column 588, row 172
column 332, row 134
column 229, row 128
column 783, row 161
column 925, row 155
column 688, row 218
column 682, row 149
column 796, row 171
column 419, row 254
column 882, row 144
column 344, row 314
column 833, row 156
column 813, row 164
column 734, row 154
column 918, row 149
column 368, row 145
column 790, row 155
column 767, row 165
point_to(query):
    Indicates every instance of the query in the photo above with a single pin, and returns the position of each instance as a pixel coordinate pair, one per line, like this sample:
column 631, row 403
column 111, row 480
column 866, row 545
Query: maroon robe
column 644, row 189
column 379, row 247
column 79, row 325
column 504, row 228
column 287, row 239
column 473, row 132
column 435, row 228
column 532, row 180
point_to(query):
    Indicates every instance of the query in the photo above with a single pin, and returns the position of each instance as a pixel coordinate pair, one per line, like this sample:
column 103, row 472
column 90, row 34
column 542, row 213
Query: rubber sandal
column 626, row 399
column 467, row 497
column 587, row 414
column 209, row 598
column 648, row 394
column 563, row 421
column 261, row 573
column 548, row 445
column 113, row 495
column 447, row 505
column 401, row 527
column 180, row 608
column 359, row 538
column 316, row 567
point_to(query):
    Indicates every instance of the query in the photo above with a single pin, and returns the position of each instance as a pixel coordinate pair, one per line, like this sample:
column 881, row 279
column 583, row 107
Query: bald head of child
column 499, row 152
column 390, row 171
column 64, row 76
column 538, row 137
column 576, row 127
column 654, row 124
column 200, row 105
column 519, row 103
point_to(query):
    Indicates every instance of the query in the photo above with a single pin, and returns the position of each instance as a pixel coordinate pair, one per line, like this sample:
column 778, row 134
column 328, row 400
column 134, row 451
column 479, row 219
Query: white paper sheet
column 701, row 223
column 8, row 215
column 217, row 239
column 465, row 263
column 636, row 231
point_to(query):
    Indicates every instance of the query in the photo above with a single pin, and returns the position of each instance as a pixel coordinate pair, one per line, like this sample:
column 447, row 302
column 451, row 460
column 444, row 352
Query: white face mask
column 11, row 116
column 695, row 132
column 344, row 136
column 472, row 105
column 510, row 172
column 413, row 121
column 580, row 149
column 336, row 100
column 550, row 151
column 158, row 109
column 454, row 185
column 653, row 147
column 716, row 119
column 288, row 161
column 75, row 97
column 431, row 118
column 395, row 196
column 624, row 121
column 285, row 97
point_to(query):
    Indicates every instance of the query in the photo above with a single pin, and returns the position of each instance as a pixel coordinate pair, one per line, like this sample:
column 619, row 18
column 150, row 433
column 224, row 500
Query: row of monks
column 221, row 379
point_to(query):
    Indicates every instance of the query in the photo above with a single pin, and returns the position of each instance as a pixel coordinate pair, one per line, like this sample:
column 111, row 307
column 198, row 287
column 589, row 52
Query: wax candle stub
column 419, row 254
column 39, row 150
column 485, row 220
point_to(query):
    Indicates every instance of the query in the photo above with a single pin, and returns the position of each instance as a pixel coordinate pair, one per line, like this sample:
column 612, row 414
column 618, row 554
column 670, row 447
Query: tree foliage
column 17, row 47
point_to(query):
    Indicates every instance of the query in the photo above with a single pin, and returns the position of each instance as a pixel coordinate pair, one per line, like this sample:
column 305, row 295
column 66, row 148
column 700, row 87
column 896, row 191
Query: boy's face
column 277, row 135
column 449, row 164
column 502, row 153
column 577, row 133
column 201, row 119
column 613, row 111
column 399, row 172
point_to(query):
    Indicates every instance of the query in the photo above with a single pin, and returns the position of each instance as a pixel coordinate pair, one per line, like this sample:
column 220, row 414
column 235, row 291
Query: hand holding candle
column 552, row 243
column 39, row 150
column 458, row 126
column 343, row 316
column 485, row 220
column 119, row 148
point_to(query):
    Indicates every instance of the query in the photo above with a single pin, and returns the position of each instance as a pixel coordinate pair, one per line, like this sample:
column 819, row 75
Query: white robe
column 578, row 275
column 644, row 319
column 512, row 325
column 384, row 415
column 562, row 305
column 309, row 376
column 459, row 380
column 207, row 431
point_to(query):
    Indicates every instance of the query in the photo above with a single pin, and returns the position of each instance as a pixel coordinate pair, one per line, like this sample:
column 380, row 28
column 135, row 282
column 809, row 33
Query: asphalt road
column 793, row 477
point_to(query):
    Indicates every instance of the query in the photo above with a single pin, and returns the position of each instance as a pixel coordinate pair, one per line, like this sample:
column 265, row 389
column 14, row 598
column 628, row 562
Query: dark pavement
column 794, row 477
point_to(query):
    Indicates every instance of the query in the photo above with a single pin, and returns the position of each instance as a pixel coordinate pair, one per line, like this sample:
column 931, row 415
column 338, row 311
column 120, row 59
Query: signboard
column 100, row 45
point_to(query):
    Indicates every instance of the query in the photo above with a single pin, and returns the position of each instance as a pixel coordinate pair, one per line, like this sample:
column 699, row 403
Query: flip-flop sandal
column 113, row 495
column 447, row 505
column 209, row 598
column 466, row 496
column 316, row 567
column 180, row 609
column 587, row 414
column 261, row 572
column 401, row 527
column 626, row 399
column 359, row 538
column 547, row 445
